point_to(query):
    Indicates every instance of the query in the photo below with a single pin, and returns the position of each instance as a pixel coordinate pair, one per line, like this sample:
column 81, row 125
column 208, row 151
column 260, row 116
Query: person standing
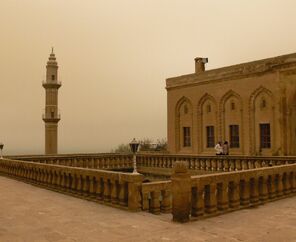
column 218, row 148
column 225, row 148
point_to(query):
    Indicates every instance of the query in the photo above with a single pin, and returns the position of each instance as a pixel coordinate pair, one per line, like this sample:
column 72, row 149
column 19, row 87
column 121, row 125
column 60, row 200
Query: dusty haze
column 114, row 57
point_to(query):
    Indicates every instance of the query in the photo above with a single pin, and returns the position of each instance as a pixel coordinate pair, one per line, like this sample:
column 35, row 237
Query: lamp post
column 134, row 145
column 1, row 148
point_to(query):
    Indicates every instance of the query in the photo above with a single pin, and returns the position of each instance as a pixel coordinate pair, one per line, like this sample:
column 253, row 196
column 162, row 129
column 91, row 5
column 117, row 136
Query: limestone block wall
column 247, row 95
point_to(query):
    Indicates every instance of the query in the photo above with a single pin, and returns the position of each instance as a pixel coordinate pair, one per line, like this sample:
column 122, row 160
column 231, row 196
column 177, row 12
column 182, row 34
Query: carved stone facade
column 251, row 105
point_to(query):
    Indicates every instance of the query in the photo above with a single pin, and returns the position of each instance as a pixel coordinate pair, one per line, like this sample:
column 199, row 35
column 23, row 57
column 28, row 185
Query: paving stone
column 32, row 214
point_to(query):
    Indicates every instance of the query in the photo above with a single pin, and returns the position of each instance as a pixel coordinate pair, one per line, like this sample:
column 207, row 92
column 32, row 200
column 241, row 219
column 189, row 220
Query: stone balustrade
column 213, row 163
column 216, row 194
column 161, row 162
column 188, row 197
column 95, row 161
column 117, row 189
column 156, row 197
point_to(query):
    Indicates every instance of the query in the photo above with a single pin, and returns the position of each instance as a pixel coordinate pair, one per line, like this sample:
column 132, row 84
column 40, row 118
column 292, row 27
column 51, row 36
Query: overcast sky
column 114, row 57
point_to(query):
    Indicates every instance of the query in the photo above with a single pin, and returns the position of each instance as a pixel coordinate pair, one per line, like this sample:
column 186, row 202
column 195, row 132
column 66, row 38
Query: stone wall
column 246, row 95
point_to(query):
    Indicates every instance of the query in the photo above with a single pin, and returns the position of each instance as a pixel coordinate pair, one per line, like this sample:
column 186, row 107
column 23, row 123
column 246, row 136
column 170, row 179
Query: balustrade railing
column 93, row 161
column 113, row 188
column 223, row 192
column 210, row 194
column 162, row 161
column 213, row 163
column 156, row 197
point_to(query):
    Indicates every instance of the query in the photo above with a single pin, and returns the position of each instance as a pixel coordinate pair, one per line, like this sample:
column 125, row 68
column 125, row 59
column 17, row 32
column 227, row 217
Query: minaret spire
column 51, row 117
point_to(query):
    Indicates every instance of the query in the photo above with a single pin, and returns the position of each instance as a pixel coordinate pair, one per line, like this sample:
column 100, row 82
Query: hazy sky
column 114, row 57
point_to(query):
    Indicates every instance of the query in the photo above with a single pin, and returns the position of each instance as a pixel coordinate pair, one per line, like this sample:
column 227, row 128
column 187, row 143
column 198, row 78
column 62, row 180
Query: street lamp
column 134, row 145
column 1, row 148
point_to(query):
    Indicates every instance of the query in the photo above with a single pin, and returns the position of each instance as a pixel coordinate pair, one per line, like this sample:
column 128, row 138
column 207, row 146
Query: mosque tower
column 51, row 116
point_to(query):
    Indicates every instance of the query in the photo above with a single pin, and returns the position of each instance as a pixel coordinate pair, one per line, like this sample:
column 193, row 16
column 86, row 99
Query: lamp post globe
column 1, row 148
column 134, row 145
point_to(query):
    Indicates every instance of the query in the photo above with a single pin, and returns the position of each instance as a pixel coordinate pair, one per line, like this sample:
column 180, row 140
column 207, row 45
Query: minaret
column 51, row 117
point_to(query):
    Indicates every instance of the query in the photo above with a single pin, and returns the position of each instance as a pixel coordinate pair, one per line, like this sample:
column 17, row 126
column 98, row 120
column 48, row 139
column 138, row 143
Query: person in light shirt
column 219, row 148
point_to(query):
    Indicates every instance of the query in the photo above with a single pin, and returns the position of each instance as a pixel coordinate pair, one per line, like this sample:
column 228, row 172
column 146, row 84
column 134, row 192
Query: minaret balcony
column 51, row 118
column 51, row 84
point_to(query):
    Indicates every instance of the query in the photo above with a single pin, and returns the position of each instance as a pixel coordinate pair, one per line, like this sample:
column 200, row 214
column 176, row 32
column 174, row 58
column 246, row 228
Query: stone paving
column 32, row 214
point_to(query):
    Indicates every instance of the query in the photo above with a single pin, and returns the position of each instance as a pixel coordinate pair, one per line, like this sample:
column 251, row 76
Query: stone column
column 134, row 192
column 181, row 189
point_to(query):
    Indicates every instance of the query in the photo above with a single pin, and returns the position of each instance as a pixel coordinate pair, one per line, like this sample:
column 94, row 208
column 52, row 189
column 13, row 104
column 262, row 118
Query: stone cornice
column 244, row 70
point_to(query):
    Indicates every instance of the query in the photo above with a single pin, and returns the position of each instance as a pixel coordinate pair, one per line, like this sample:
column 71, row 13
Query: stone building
column 250, row 105
column 51, row 116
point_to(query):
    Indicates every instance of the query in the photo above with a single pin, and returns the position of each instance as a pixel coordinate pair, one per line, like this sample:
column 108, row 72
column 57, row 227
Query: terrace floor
column 32, row 214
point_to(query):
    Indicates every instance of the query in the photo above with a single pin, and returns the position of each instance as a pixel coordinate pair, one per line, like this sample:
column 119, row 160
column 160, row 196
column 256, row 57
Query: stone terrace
column 31, row 214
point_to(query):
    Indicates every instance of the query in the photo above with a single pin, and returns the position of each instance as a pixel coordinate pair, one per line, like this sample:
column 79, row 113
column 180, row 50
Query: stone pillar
column 134, row 192
column 181, row 189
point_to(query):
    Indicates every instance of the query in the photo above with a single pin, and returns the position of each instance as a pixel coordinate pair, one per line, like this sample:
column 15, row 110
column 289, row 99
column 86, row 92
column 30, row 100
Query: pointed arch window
column 186, row 137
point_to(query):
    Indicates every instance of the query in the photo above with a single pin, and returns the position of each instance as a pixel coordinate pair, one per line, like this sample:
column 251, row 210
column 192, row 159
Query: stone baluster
column 198, row 201
column 92, row 187
column 166, row 201
column 37, row 176
column 100, row 188
column 279, row 189
column 219, row 165
column 263, row 189
column 213, row 166
column 114, row 192
column 83, row 188
column 104, row 163
column 249, row 164
column 162, row 165
column 190, row 163
column 292, row 178
column 79, row 184
column 231, row 165
column 43, row 177
column 208, row 165
column 145, row 201
column 234, row 195
column 122, row 193
column 62, row 181
column 49, row 178
column 245, row 192
column 286, row 184
column 165, row 162
column 237, row 165
column 254, row 192
column 107, row 190
column 225, row 164
column 211, row 199
column 271, row 187
column 155, row 202
column 68, row 182
column 53, row 179
column 222, row 196
column 75, row 160
column 152, row 161
column 95, row 160
column 203, row 164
